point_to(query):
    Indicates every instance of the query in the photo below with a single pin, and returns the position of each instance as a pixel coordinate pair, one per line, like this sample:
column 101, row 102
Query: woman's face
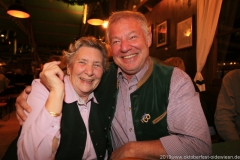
column 86, row 70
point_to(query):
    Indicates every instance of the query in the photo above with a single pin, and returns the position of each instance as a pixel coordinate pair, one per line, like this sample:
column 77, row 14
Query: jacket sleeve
column 226, row 110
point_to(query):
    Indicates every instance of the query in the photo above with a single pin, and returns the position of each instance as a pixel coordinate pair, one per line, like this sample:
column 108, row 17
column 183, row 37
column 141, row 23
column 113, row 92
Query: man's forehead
column 122, row 34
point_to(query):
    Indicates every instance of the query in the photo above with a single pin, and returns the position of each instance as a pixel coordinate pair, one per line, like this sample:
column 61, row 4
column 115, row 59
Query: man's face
column 130, row 47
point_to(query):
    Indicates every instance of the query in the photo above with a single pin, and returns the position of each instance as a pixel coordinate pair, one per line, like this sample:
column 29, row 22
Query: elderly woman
column 65, row 121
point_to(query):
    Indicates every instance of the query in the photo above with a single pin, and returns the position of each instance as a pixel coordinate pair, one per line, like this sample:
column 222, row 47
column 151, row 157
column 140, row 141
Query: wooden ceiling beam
column 55, row 23
column 57, row 44
column 52, row 33
column 55, row 10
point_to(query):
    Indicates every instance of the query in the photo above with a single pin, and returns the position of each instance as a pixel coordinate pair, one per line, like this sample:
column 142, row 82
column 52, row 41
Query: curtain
column 207, row 19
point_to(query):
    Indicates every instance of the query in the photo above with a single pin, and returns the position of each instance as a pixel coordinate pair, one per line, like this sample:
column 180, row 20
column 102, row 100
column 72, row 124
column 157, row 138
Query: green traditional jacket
column 74, row 133
column 149, row 100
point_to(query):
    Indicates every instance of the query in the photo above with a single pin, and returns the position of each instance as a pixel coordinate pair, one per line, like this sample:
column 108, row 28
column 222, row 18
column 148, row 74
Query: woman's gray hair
column 91, row 42
column 139, row 17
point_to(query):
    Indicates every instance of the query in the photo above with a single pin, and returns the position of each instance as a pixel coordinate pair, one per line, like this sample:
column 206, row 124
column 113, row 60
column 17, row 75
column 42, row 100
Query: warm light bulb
column 105, row 24
column 18, row 10
column 18, row 14
column 95, row 22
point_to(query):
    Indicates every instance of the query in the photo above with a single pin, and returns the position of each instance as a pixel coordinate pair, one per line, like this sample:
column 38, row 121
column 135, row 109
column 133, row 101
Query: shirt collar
column 72, row 96
column 90, row 97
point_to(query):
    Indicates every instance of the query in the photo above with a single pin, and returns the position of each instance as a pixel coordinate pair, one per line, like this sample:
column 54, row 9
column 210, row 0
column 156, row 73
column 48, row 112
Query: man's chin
column 130, row 71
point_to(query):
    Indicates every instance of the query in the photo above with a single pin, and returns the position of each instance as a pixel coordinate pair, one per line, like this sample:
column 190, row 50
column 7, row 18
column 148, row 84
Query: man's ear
column 149, row 39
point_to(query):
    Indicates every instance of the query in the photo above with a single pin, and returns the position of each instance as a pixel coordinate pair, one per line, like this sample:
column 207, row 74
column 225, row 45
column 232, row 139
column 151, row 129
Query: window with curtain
column 228, row 37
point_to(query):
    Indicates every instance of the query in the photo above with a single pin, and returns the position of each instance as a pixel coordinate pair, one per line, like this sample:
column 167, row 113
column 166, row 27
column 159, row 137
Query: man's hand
column 21, row 105
column 126, row 151
column 140, row 150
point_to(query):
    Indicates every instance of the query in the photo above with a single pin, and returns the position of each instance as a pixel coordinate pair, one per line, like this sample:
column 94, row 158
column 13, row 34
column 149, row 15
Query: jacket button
column 96, row 144
column 109, row 117
column 100, row 155
column 91, row 131
column 105, row 128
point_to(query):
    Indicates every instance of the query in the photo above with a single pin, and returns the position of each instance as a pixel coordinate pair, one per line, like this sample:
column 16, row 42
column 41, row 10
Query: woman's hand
column 52, row 77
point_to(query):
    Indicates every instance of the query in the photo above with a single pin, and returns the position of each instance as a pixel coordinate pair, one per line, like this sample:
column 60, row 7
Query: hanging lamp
column 18, row 10
column 96, row 18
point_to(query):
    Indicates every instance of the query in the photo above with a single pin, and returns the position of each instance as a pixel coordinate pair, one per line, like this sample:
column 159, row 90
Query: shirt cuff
column 48, row 124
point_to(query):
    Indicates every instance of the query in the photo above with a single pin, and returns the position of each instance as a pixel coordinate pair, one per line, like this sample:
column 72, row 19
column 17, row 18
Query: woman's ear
column 68, row 70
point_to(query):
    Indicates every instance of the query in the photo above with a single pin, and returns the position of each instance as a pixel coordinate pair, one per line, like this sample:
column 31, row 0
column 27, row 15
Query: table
column 229, row 148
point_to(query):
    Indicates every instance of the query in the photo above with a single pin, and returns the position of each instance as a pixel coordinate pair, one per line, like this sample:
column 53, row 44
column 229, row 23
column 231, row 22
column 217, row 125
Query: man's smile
column 129, row 56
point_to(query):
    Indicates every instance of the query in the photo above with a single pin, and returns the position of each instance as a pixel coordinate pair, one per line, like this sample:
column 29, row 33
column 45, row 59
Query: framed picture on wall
column 161, row 34
column 184, row 34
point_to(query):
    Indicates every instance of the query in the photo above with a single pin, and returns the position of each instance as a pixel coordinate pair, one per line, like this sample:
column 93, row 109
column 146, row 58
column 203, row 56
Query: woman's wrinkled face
column 86, row 70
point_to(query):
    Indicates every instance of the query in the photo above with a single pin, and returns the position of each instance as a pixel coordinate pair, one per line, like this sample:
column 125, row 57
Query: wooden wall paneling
column 174, row 11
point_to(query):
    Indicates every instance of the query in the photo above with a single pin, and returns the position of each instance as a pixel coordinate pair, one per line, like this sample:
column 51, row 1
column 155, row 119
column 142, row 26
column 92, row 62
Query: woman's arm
column 40, row 135
column 21, row 101
column 40, row 128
